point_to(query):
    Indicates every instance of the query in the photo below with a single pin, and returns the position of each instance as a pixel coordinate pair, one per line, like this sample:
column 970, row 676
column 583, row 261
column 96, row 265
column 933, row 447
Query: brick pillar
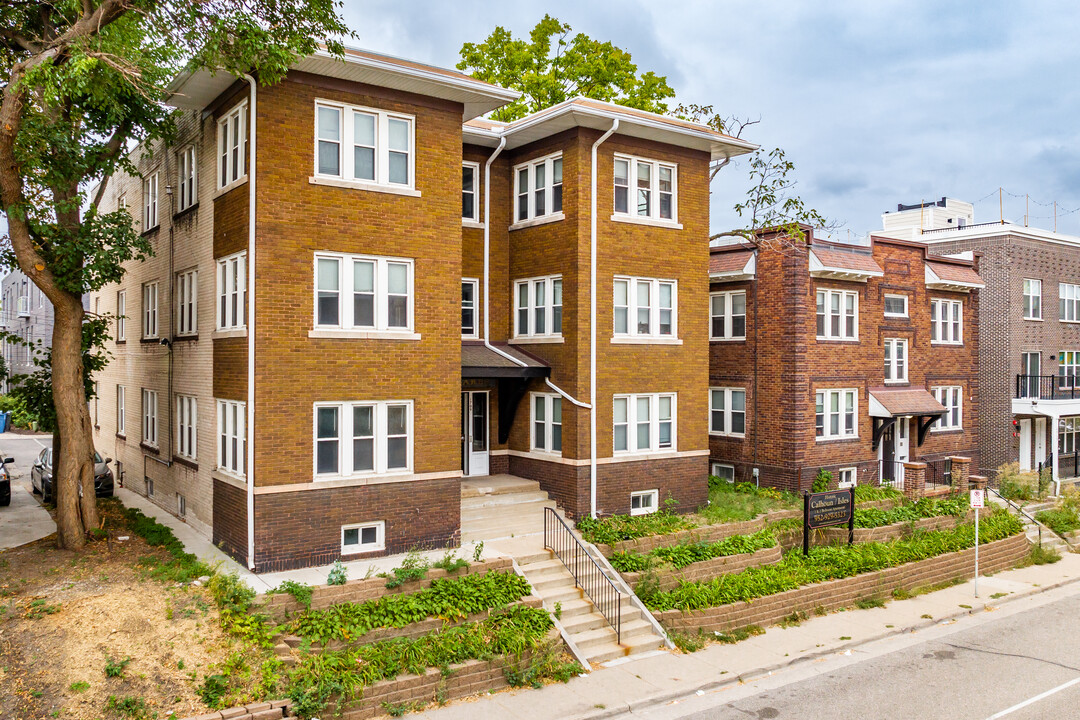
column 961, row 469
column 914, row 480
column 976, row 482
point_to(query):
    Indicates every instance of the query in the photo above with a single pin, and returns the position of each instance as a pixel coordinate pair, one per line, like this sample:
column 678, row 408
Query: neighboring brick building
column 842, row 358
column 1030, row 349
column 377, row 379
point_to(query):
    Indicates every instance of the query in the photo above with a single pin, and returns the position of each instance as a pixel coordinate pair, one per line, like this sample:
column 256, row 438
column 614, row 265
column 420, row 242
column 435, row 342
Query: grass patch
column 738, row 635
column 956, row 506
column 679, row 556
column 79, row 686
column 828, row 563
column 1040, row 555
column 902, row 593
column 870, row 602
column 183, row 567
column 1061, row 520
column 1022, row 486
column 736, row 502
column 944, row 584
column 115, row 668
column 872, row 493
column 689, row 642
column 615, row 528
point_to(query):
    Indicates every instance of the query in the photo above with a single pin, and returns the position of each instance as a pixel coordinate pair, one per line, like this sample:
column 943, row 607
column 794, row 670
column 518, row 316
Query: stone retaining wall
column 669, row 577
column 255, row 711
column 836, row 594
column 894, row 531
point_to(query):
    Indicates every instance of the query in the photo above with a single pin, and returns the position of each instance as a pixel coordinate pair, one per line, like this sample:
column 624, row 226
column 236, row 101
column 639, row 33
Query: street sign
column 978, row 499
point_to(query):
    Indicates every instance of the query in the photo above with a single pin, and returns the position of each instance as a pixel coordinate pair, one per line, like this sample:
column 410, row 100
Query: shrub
column 1020, row 486
column 213, row 690
column 822, row 481
column 115, row 668
column 337, row 575
column 451, row 563
column 956, row 506
column 612, row 529
column 688, row 642
column 1040, row 555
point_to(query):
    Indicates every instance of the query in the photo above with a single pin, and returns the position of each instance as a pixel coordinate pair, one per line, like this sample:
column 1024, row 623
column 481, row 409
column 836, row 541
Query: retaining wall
column 669, row 577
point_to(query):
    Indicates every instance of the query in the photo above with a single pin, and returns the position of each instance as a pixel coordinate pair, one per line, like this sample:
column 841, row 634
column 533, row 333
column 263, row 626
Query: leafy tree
column 548, row 75
column 80, row 82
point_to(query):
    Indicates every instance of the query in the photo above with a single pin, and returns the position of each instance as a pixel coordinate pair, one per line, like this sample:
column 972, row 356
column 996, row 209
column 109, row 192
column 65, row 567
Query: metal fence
column 891, row 473
column 1048, row 387
column 939, row 473
column 588, row 575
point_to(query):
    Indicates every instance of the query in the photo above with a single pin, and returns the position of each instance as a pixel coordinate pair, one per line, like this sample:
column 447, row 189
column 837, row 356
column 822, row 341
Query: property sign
column 978, row 499
column 829, row 508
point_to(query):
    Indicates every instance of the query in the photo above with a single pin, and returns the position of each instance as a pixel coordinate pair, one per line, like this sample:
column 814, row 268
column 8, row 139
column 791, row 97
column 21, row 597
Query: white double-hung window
column 538, row 307
column 187, row 423
column 835, row 414
column 187, row 302
column 538, row 189
column 470, row 191
column 727, row 315
column 952, row 397
column 1032, row 299
column 896, row 360
column 645, row 189
column 547, row 423
column 645, row 308
column 1069, row 302
column 232, row 437
column 362, row 438
column 231, row 291
column 121, row 317
column 363, row 145
column 946, row 322
column 360, row 292
column 188, row 172
column 470, row 291
column 150, row 310
column 837, row 315
column 727, row 411
column 150, row 417
column 121, row 414
column 232, row 146
column 644, row 423
column 150, row 201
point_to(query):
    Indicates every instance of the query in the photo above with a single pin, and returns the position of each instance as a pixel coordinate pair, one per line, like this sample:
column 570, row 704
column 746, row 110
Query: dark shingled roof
column 955, row 273
column 843, row 260
column 731, row 261
column 908, row 402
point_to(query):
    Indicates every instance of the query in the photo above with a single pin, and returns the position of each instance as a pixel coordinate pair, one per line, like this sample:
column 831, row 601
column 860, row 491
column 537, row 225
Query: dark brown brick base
column 230, row 520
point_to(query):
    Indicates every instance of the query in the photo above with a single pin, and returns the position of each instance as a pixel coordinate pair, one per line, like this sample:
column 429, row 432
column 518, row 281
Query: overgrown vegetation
column 1041, row 555
column 337, row 574
column 737, row 502
column 957, row 506
column 301, row 592
column 451, row 563
column 1065, row 518
column 183, row 567
column 679, row 556
column 615, row 528
column 828, row 563
column 872, row 493
column 1022, row 486
column 688, row 642
column 822, row 481
column 412, row 568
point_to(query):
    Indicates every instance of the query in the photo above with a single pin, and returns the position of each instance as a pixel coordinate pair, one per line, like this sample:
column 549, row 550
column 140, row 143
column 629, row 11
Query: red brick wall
column 230, row 520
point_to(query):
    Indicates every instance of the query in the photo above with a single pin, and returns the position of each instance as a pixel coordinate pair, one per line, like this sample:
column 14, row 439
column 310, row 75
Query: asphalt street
column 1021, row 665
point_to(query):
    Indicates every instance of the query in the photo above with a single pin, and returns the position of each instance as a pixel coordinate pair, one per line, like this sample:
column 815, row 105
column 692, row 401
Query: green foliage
column 612, row 529
column 548, row 75
column 871, row 493
column 412, row 568
column 1021, row 486
column 451, row 563
column 401, row 709
column 478, row 551
column 738, row 502
column 183, row 567
column 337, row 574
column 234, row 600
column 448, row 598
column 829, row 563
column 1041, row 555
column 957, row 506
column 869, row 602
column 301, row 592
column 130, row 707
column 115, row 668
column 822, row 481
column 546, row 664
column 212, row 691
column 739, row 634
column 1060, row 520
column 40, row 607
column 21, row 417
column 770, row 204
column 689, row 642
column 79, row 686
column 679, row 556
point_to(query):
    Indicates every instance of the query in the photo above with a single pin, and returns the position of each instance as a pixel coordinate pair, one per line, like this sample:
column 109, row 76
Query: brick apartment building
column 311, row 377
column 1030, row 310
column 854, row 360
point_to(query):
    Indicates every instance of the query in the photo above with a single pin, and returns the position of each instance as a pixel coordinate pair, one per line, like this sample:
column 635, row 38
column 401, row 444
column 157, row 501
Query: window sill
column 366, row 551
column 121, row 436
column 650, row 455
column 1039, row 319
column 361, row 185
column 889, row 316
column 363, row 335
column 150, row 340
column 645, row 341
column 836, row 340
column 361, row 476
column 149, row 448
column 896, row 382
column 150, row 230
column 231, row 186
column 732, row 339
column 186, row 211
column 946, row 344
column 230, row 477
column 543, row 220
column 846, row 438
column 186, row 338
column 537, row 340
column 234, row 333
column 186, row 462
column 474, row 336
column 947, row 431
column 1069, row 322
column 472, row 224
column 545, row 453
column 733, row 436
column 122, row 341
column 634, row 220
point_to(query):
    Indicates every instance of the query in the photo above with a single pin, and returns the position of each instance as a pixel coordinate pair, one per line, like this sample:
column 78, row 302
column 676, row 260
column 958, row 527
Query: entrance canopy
column 480, row 361
column 887, row 405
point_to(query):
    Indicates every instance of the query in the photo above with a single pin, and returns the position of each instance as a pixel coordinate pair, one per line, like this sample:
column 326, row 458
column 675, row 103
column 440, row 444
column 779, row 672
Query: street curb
column 748, row 675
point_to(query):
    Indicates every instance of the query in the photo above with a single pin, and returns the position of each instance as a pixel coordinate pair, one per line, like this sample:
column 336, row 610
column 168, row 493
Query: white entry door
column 474, row 432
column 903, row 447
column 1040, row 440
column 1025, row 445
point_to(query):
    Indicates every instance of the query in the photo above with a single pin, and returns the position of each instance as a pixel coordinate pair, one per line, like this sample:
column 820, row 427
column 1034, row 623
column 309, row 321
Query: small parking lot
column 25, row 520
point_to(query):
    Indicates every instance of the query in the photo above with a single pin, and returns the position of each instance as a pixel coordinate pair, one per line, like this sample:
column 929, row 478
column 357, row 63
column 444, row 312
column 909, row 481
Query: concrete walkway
column 662, row 677
column 25, row 520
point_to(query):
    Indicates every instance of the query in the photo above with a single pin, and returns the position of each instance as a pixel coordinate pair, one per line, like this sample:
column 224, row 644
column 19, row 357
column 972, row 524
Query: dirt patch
column 65, row 616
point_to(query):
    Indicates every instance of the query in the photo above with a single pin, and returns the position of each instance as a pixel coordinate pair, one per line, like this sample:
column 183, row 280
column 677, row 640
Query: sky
column 876, row 103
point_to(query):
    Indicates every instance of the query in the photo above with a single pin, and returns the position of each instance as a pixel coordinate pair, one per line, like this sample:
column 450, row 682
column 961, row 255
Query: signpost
column 826, row 509
column 978, row 500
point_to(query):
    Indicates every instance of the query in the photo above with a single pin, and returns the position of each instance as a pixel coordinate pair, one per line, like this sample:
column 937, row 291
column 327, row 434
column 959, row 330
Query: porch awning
column 479, row 361
column 899, row 403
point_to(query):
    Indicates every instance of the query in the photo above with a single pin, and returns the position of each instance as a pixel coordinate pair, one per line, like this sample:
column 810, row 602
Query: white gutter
column 592, row 325
column 250, row 420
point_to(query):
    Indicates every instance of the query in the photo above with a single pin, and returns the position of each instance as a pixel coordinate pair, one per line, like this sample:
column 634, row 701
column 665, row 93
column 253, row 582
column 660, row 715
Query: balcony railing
column 1048, row 387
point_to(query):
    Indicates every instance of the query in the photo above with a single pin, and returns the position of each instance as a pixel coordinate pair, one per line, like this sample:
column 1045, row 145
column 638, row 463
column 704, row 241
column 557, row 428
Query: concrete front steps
column 1050, row 539
column 585, row 626
column 497, row 507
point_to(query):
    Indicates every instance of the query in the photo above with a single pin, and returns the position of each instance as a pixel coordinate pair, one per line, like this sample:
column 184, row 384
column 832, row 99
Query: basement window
column 365, row 537
column 644, row 502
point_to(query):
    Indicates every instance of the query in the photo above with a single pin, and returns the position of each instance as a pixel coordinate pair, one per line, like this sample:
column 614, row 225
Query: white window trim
column 121, row 410
column 894, row 377
column 940, row 394
column 937, row 323
column 187, row 416
column 237, row 432
column 475, row 308
column 225, row 182
column 848, row 484
column 654, row 495
column 361, row 548
column 121, row 315
column 346, row 178
column 187, row 163
column 654, row 310
column 654, row 425
column 231, row 287
column 712, row 471
column 187, row 292
column 151, row 201
column 727, row 412
column 888, row 314
column 653, row 218
column 728, row 316
column 826, row 435
column 1068, row 293
column 473, row 221
column 346, row 305
column 550, row 215
column 1025, row 296
column 549, row 308
column 150, row 328
column 150, row 418
column 842, row 337
column 549, row 401
column 345, row 439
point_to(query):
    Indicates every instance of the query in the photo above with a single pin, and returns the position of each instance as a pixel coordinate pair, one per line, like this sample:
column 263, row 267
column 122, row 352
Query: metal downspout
column 249, row 461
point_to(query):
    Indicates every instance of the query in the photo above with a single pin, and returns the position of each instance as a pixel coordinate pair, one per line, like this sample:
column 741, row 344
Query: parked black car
column 41, row 476
column 5, row 482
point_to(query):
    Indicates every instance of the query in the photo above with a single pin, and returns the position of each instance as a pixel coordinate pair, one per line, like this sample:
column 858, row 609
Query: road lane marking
column 1037, row 698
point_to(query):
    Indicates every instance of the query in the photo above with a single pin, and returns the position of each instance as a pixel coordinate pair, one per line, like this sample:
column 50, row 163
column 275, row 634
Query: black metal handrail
column 939, row 472
column 1048, row 387
column 1018, row 509
column 588, row 575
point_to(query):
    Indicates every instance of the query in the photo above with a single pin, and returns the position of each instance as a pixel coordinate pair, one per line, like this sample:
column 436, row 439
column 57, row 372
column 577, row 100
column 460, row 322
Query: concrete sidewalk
column 662, row 677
